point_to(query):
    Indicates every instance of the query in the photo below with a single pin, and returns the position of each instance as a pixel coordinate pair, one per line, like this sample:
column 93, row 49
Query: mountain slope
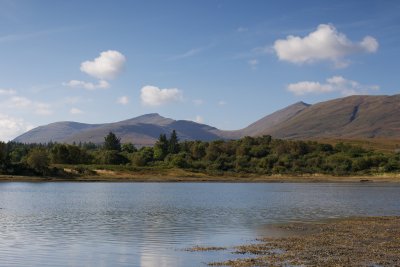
column 55, row 132
column 266, row 123
column 142, row 130
column 349, row 117
column 269, row 122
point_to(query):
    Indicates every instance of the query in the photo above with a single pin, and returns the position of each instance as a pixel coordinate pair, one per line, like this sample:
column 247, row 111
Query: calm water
column 148, row 224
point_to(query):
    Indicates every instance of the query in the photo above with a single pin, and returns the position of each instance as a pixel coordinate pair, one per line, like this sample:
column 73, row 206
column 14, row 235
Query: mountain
column 269, row 122
column 142, row 130
column 55, row 132
column 349, row 117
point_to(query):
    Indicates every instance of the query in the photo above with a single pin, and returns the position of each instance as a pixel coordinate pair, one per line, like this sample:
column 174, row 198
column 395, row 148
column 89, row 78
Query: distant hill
column 56, row 132
column 142, row 130
column 269, row 122
column 349, row 117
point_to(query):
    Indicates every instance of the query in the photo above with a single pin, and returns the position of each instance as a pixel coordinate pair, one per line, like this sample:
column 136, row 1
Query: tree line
column 260, row 155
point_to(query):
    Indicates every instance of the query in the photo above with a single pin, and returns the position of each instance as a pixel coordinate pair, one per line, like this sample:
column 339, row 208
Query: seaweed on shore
column 372, row 241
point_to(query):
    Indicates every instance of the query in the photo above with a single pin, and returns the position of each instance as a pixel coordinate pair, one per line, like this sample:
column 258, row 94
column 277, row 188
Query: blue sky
column 223, row 63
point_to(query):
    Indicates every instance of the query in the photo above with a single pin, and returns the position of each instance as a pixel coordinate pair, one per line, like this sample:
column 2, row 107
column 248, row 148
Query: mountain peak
column 348, row 117
column 301, row 103
column 150, row 115
column 150, row 118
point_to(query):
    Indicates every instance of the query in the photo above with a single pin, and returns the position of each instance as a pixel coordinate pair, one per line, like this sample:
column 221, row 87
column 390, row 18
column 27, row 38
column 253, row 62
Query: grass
column 113, row 173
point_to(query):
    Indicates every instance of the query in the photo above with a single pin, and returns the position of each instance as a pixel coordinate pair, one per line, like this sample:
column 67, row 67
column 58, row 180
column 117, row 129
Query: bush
column 38, row 160
column 112, row 157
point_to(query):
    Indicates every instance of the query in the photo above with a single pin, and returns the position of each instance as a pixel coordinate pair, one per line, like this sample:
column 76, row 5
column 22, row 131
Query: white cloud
column 325, row 43
column 192, row 52
column 12, row 127
column 19, row 102
column 123, row 100
column 221, row 103
column 102, row 84
column 7, row 92
column 333, row 84
column 43, row 109
column 107, row 66
column 199, row 119
column 154, row 96
column 75, row 111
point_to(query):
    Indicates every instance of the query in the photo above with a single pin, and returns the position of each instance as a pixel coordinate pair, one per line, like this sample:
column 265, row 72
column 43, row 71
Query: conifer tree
column 173, row 143
column 112, row 142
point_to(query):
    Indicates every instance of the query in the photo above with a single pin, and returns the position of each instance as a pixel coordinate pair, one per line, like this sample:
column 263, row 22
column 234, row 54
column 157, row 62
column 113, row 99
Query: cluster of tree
column 262, row 155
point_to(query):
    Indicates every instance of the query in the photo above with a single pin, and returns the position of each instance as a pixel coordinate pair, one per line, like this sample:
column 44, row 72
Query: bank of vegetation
column 250, row 155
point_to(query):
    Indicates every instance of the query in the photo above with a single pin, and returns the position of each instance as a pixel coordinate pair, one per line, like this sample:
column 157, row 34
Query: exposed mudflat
column 368, row 241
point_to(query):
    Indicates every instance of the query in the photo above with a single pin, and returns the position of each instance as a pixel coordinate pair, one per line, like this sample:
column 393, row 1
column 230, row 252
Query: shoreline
column 184, row 176
column 351, row 241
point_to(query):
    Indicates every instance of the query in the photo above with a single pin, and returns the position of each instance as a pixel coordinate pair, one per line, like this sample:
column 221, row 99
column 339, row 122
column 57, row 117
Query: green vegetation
column 249, row 155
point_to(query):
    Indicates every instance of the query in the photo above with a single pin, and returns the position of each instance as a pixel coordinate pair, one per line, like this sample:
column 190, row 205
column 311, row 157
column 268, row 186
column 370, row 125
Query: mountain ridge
column 359, row 116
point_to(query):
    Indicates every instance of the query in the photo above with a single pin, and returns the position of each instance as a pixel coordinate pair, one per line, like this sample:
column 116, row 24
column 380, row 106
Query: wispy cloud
column 198, row 102
column 7, row 92
column 334, row 84
column 36, row 34
column 222, row 103
column 192, row 52
column 102, row 84
column 123, row 100
column 253, row 63
column 75, row 111
column 24, row 103
column 199, row 119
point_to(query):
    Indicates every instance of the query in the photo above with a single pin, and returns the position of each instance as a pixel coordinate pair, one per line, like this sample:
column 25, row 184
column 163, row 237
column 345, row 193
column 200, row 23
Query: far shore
column 179, row 175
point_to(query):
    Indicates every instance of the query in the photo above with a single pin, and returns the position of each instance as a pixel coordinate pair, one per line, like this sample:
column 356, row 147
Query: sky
column 219, row 62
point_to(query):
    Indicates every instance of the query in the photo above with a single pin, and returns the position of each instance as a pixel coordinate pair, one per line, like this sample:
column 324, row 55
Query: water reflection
column 106, row 224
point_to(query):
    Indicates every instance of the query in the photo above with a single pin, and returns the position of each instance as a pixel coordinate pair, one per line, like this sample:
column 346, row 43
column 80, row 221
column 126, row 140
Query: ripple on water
column 75, row 224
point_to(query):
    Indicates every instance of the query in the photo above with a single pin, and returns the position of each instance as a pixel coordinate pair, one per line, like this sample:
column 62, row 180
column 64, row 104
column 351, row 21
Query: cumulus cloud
column 333, row 84
column 75, row 111
column 12, row 127
column 7, row 92
column 107, row 66
column 102, row 84
column 154, row 96
column 325, row 43
column 123, row 100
